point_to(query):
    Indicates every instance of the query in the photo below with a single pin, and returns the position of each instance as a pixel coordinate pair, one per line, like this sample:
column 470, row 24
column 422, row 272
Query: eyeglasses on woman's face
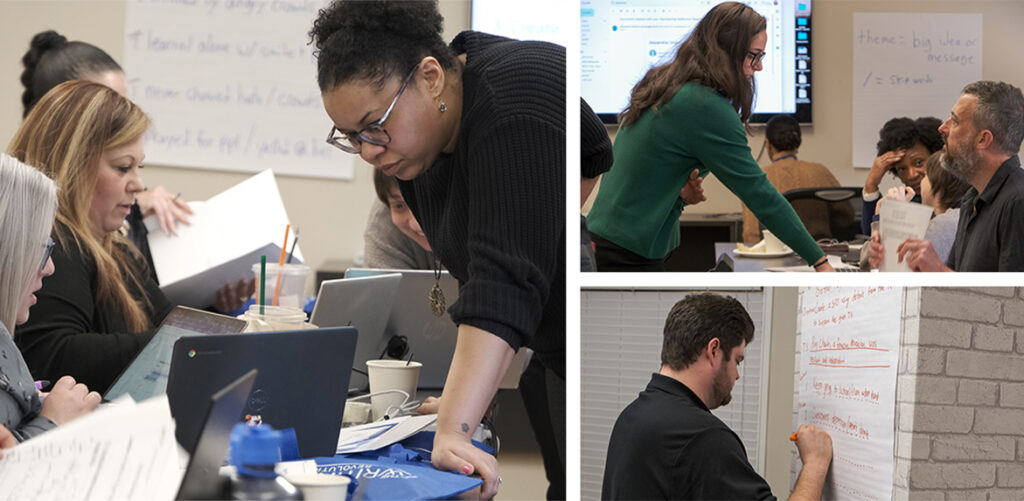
column 374, row 133
column 46, row 255
column 756, row 57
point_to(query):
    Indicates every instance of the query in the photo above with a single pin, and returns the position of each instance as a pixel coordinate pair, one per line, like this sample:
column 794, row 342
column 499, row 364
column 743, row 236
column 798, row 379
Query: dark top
column 666, row 444
column 595, row 145
column 494, row 209
column 990, row 234
column 139, row 235
column 70, row 332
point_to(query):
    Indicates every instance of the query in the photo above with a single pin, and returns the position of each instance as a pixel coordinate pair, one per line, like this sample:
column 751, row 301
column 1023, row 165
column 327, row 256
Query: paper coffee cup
column 391, row 375
column 320, row 487
column 772, row 242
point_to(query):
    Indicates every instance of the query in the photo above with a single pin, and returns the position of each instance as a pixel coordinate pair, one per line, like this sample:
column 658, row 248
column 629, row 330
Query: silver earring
column 443, row 107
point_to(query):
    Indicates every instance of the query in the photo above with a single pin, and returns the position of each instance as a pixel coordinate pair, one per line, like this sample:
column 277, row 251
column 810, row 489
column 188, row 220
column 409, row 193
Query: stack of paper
column 120, row 451
column 228, row 234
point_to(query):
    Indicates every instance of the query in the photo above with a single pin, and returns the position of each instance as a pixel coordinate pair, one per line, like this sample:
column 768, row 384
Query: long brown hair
column 713, row 55
column 65, row 136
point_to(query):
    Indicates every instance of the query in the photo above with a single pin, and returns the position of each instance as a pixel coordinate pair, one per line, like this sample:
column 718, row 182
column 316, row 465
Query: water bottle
column 255, row 450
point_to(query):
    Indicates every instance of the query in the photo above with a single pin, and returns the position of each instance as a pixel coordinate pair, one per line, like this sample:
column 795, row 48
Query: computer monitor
column 621, row 39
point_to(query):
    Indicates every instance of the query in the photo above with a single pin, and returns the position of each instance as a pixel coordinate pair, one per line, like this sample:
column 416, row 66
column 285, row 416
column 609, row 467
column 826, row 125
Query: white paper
column 228, row 234
column 121, row 451
column 373, row 436
column 230, row 85
column 909, row 65
column 849, row 351
column 899, row 221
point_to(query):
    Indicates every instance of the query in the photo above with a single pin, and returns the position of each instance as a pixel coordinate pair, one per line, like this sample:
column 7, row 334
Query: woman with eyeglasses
column 475, row 133
column 99, row 308
column 683, row 116
column 28, row 201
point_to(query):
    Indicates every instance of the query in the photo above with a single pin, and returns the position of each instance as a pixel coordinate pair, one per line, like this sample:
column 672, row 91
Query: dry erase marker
column 793, row 437
column 42, row 384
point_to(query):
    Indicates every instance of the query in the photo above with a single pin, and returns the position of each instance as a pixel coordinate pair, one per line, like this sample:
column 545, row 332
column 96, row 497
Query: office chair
column 843, row 205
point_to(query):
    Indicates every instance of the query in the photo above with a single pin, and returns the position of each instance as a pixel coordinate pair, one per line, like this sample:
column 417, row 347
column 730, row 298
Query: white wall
column 828, row 140
column 330, row 213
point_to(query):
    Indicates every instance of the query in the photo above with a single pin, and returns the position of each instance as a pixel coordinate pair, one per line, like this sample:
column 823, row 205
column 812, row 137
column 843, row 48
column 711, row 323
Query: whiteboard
column 849, row 352
column 231, row 85
column 909, row 65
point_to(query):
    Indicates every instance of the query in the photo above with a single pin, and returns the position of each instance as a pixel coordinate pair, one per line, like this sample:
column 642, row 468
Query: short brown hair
column 697, row 319
column 946, row 187
column 383, row 183
column 1000, row 110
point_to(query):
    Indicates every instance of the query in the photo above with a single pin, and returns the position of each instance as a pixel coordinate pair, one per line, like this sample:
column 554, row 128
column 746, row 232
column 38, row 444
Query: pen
column 793, row 437
column 177, row 196
column 42, row 384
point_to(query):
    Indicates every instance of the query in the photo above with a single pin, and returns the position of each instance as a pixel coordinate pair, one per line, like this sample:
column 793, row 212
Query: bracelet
column 824, row 260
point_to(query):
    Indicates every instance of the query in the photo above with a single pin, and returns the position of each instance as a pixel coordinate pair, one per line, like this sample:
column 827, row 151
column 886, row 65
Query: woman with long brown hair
column 100, row 306
column 689, row 114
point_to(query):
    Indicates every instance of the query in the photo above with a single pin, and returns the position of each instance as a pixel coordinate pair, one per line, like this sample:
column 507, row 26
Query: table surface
column 754, row 264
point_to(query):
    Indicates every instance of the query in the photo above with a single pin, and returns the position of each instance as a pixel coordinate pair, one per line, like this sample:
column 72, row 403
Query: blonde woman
column 99, row 308
column 28, row 200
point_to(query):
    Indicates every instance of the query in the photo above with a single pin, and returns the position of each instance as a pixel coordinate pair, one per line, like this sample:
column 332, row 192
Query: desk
column 697, row 236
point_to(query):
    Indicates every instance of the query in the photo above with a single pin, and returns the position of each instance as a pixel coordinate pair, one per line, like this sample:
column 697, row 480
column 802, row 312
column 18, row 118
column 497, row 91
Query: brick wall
column 959, row 395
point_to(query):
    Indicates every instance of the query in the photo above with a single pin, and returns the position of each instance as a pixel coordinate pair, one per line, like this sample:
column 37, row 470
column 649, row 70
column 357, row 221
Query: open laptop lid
column 364, row 303
column 202, row 477
column 430, row 339
column 302, row 383
column 146, row 376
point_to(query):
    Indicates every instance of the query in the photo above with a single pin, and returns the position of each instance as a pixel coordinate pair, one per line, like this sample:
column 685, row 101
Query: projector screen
column 622, row 39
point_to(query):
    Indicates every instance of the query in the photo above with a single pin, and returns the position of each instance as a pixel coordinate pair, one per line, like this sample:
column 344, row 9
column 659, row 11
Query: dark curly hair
column 52, row 60
column 783, row 132
column 903, row 133
column 376, row 40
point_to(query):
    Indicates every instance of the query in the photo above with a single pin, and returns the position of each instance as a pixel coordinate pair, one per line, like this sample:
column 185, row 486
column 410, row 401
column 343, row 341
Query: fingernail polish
column 467, row 469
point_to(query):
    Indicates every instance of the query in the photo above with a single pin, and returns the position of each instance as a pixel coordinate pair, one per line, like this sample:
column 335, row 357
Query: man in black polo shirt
column 983, row 136
column 668, row 445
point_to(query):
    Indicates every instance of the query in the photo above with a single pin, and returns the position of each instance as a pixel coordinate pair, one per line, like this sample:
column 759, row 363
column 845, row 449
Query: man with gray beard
column 983, row 137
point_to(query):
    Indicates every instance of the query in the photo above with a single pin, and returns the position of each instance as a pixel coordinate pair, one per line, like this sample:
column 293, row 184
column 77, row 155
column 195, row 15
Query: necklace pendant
column 437, row 301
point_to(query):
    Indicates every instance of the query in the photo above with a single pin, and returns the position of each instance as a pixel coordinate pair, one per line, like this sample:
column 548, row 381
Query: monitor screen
column 622, row 39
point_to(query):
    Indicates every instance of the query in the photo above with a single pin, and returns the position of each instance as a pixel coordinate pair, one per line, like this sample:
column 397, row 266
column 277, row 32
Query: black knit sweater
column 494, row 209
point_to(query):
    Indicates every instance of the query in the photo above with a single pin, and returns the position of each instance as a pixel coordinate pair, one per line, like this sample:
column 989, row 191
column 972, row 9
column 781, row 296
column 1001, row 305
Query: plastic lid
column 255, row 446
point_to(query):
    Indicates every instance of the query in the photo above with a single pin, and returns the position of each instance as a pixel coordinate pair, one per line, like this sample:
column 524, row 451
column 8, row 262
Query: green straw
column 263, row 281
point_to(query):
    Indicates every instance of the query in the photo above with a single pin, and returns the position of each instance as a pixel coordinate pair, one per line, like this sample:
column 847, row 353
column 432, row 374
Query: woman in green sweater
column 689, row 114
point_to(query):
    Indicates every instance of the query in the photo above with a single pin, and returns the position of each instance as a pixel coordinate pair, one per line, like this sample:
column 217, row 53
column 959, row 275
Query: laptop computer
column 202, row 478
column 361, row 302
column 428, row 338
column 146, row 376
column 302, row 383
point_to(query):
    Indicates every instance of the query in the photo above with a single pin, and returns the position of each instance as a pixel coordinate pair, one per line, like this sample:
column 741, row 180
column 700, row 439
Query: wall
column 330, row 213
column 959, row 395
column 828, row 140
column 780, row 395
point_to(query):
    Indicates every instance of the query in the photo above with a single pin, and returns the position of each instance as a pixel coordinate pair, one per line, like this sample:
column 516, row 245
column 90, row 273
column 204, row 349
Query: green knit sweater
column 638, row 204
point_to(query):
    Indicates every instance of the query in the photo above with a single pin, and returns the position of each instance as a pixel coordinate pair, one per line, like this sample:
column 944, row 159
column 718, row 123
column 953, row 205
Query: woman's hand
column 429, row 406
column 693, row 191
column 825, row 267
column 68, row 400
column 920, row 255
column 882, row 164
column 232, row 296
column 454, row 452
column 876, row 251
column 169, row 209
column 7, row 439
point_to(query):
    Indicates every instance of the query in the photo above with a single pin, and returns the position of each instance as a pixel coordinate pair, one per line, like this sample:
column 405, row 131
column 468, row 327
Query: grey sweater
column 20, row 402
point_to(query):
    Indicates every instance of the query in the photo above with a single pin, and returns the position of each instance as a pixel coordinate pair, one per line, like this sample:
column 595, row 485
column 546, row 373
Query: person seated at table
column 393, row 238
column 782, row 138
column 983, row 137
column 942, row 191
column 686, row 118
column 28, row 201
column 99, row 308
column 51, row 60
column 904, row 146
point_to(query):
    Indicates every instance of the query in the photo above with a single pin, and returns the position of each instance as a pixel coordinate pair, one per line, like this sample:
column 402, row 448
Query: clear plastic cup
column 292, row 287
column 274, row 318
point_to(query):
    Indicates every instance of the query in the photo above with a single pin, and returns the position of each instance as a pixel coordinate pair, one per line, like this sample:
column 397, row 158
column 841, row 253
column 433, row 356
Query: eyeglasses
column 756, row 57
column 46, row 255
column 373, row 133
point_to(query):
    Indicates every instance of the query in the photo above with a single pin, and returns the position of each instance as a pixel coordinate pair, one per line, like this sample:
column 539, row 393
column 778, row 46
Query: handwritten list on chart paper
column 908, row 65
column 849, row 351
column 231, row 85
